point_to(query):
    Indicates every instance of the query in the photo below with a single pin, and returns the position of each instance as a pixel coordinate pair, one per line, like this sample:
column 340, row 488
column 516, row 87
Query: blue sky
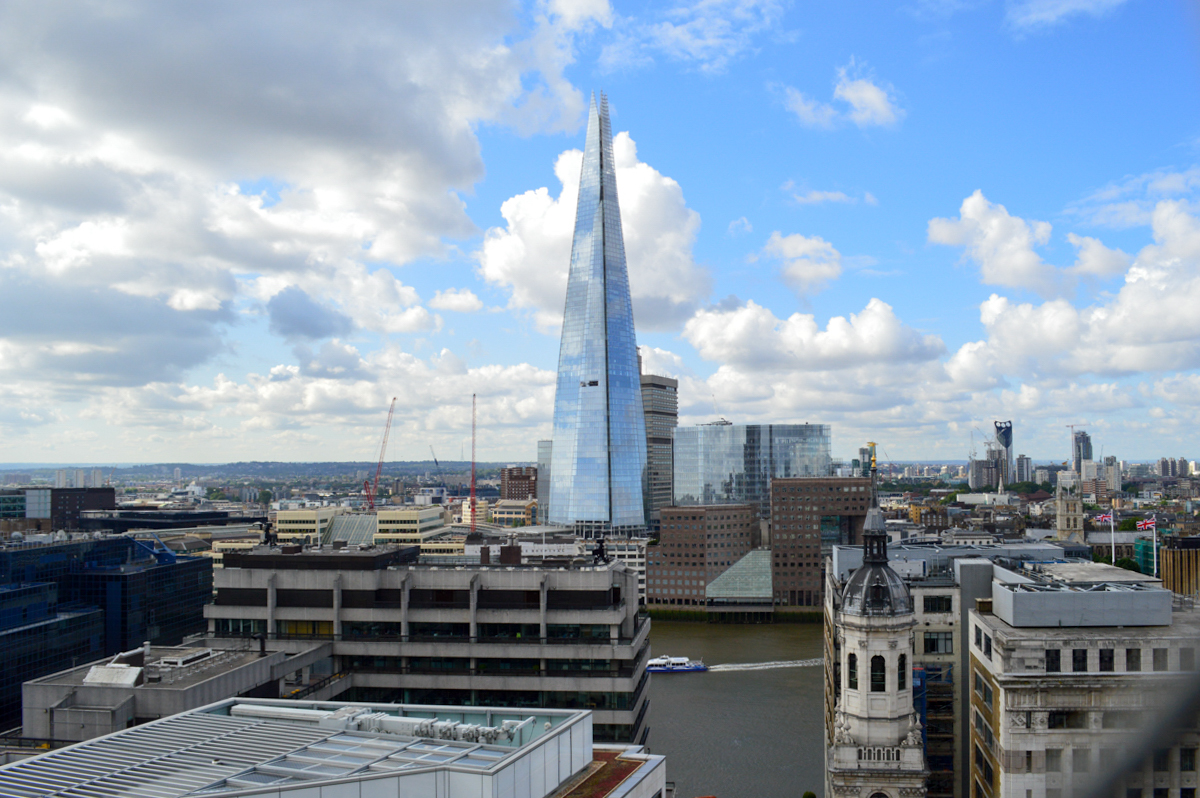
column 234, row 232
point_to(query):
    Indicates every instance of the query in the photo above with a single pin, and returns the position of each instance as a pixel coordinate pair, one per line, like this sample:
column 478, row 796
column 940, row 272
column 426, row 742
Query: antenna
column 472, row 464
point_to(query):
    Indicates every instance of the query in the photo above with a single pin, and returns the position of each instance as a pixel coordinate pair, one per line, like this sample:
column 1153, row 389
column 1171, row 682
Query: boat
column 665, row 664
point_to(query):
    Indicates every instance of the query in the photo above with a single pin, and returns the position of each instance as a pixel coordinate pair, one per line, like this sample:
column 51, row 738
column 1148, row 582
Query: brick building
column 808, row 516
column 518, row 483
column 696, row 545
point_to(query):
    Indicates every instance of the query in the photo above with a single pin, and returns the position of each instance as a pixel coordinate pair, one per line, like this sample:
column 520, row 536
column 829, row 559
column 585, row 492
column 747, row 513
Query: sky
column 234, row 231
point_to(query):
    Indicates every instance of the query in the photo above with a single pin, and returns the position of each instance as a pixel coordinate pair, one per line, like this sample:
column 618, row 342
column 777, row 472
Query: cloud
column 531, row 255
column 1038, row 14
column 706, row 34
column 461, row 300
column 294, row 314
column 1131, row 201
column 740, row 225
column 1001, row 244
column 817, row 197
column 808, row 263
column 663, row 363
column 1097, row 260
column 750, row 337
column 869, row 104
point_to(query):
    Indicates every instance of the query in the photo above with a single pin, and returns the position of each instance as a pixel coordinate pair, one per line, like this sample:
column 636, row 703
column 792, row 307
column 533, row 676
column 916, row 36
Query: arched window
column 878, row 675
column 852, row 672
column 902, row 673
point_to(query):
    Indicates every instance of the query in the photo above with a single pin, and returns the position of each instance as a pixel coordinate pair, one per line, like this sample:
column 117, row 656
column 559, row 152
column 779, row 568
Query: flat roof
column 170, row 667
column 244, row 746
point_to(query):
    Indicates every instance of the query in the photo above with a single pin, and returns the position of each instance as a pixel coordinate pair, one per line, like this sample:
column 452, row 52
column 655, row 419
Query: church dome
column 876, row 590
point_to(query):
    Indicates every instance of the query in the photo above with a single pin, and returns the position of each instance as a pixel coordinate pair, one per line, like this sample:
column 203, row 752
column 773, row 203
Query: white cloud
column 707, row 34
column 1033, row 14
column 1131, row 202
column 1097, row 260
column 815, row 197
column 461, row 300
column 869, row 104
column 750, row 337
column 808, row 263
column 1001, row 244
column 740, row 225
column 531, row 255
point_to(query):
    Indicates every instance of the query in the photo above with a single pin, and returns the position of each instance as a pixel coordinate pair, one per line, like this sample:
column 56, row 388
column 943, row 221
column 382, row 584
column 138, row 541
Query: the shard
column 599, row 439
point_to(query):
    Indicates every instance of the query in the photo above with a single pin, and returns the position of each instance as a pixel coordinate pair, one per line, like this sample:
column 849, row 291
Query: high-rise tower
column 598, row 467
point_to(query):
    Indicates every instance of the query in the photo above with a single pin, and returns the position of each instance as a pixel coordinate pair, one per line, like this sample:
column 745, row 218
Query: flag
column 1105, row 517
column 1147, row 524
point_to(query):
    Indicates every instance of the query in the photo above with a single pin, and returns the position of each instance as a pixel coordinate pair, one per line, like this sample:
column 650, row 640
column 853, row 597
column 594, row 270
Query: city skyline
column 232, row 234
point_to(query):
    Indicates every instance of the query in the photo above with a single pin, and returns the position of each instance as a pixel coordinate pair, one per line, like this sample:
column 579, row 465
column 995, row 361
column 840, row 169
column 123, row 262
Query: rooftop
column 280, row 748
column 169, row 667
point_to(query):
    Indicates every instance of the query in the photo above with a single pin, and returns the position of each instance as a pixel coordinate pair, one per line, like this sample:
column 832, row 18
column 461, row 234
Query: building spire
column 874, row 528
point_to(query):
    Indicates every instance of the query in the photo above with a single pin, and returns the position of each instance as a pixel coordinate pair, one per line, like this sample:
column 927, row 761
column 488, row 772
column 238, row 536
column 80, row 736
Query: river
column 748, row 728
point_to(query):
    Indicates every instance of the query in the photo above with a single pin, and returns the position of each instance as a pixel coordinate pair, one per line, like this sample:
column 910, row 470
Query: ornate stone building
column 874, row 743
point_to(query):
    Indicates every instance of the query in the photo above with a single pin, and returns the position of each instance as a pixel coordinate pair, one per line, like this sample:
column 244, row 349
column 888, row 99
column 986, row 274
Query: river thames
column 750, row 726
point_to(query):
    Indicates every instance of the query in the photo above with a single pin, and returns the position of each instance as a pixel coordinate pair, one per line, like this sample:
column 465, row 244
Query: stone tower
column 1068, row 523
column 877, row 749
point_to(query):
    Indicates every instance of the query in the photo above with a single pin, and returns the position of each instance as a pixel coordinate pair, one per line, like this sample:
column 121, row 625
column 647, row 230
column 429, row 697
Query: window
column 1187, row 758
column 1079, row 660
column 1081, row 760
column 1133, row 661
column 852, row 672
column 878, row 674
column 1162, row 760
column 1075, row 719
column 1053, row 760
column 1106, row 660
column 987, row 646
column 978, row 637
column 1187, row 659
column 1133, row 792
column 1187, row 792
column 901, row 675
column 937, row 604
column 1053, row 661
column 1160, row 659
column 939, row 642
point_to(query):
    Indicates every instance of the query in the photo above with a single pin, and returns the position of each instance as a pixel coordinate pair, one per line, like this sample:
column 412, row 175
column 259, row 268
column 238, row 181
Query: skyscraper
column 598, row 469
column 1081, row 450
column 660, row 400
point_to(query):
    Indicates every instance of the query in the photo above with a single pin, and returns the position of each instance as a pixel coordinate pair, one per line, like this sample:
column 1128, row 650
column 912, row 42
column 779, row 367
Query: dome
column 876, row 589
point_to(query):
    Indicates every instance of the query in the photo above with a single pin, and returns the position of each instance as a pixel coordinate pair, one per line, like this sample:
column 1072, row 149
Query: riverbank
column 700, row 616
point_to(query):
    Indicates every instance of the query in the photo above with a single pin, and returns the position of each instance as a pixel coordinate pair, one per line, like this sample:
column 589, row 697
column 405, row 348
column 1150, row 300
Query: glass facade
column 735, row 463
column 599, row 439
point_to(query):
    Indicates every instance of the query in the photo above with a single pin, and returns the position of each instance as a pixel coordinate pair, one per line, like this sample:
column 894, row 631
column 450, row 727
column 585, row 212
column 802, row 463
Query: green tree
column 265, row 497
column 1128, row 564
column 1128, row 525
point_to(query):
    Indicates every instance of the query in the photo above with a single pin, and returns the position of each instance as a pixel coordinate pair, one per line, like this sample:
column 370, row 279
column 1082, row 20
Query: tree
column 1128, row 525
column 1128, row 564
column 265, row 497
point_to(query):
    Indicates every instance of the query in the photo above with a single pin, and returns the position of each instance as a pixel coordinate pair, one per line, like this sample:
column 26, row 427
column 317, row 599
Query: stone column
column 272, row 599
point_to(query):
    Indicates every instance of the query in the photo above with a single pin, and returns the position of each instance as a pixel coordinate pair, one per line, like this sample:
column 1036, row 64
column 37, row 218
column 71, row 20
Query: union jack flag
column 1105, row 517
column 1147, row 524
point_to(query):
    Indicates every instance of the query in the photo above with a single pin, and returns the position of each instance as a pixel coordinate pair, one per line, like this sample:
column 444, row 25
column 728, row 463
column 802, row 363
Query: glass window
column 852, row 671
column 878, row 674
column 1053, row 663
column 1053, row 760
column 902, row 673
column 1079, row 660
column 1162, row 759
column 1106, row 660
column 1133, row 659
column 1160, row 659
column 939, row 642
column 937, row 604
column 1187, row 758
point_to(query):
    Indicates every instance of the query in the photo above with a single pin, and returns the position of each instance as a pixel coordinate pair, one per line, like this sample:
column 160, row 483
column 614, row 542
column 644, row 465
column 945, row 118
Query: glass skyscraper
column 727, row 463
column 598, row 469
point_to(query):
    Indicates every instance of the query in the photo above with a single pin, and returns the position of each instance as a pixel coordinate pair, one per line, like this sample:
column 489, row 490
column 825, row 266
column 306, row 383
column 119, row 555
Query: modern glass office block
column 598, row 468
column 735, row 463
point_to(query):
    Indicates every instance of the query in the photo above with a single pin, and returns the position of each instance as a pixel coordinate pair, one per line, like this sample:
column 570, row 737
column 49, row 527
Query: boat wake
column 766, row 666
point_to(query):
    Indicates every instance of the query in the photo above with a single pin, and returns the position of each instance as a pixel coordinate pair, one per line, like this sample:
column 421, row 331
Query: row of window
column 878, row 673
column 1107, row 663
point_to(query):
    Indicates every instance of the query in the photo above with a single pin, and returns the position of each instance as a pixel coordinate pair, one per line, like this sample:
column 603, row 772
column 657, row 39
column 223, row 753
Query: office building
column 304, row 749
column 518, row 483
column 65, row 507
column 308, row 525
column 514, row 513
column 696, row 544
column 1073, row 668
column 1004, row 443
column 875, row 742
column 727, row 463
column 1024, row 469
column 406, row 527
column 660, row 403
column 598, row 475
column 499, row 636
column 544, row 452
column 142, row 593
column 1081, row 450
column 808, row 516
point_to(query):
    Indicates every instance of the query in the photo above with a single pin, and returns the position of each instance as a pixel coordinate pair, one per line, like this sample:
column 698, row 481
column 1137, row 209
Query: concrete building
column 808, row 516
column 510, row 512
column 725, row 463
column 304, row 749
column 598, row 476
column 660, row 403
column 154, row 682
column 471, row 635
column 874, row 745
column 309, row 525
column 1025, row 471
column 65, row 507
column 408, row 526
column 696, row 545
column 1073, row 666
column 518, row 483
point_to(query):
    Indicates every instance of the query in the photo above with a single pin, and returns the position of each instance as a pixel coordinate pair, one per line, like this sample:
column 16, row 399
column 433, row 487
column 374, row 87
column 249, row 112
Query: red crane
column 472, row 463
column 369, row 488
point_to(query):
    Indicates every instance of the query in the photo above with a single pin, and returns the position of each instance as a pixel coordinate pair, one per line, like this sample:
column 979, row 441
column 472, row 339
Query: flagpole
column 1112, row 528
column 1155, row 528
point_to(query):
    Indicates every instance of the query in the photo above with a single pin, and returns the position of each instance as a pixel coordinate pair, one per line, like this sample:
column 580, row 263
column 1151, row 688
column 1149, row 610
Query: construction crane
column 368, row 487
column 472, row 464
